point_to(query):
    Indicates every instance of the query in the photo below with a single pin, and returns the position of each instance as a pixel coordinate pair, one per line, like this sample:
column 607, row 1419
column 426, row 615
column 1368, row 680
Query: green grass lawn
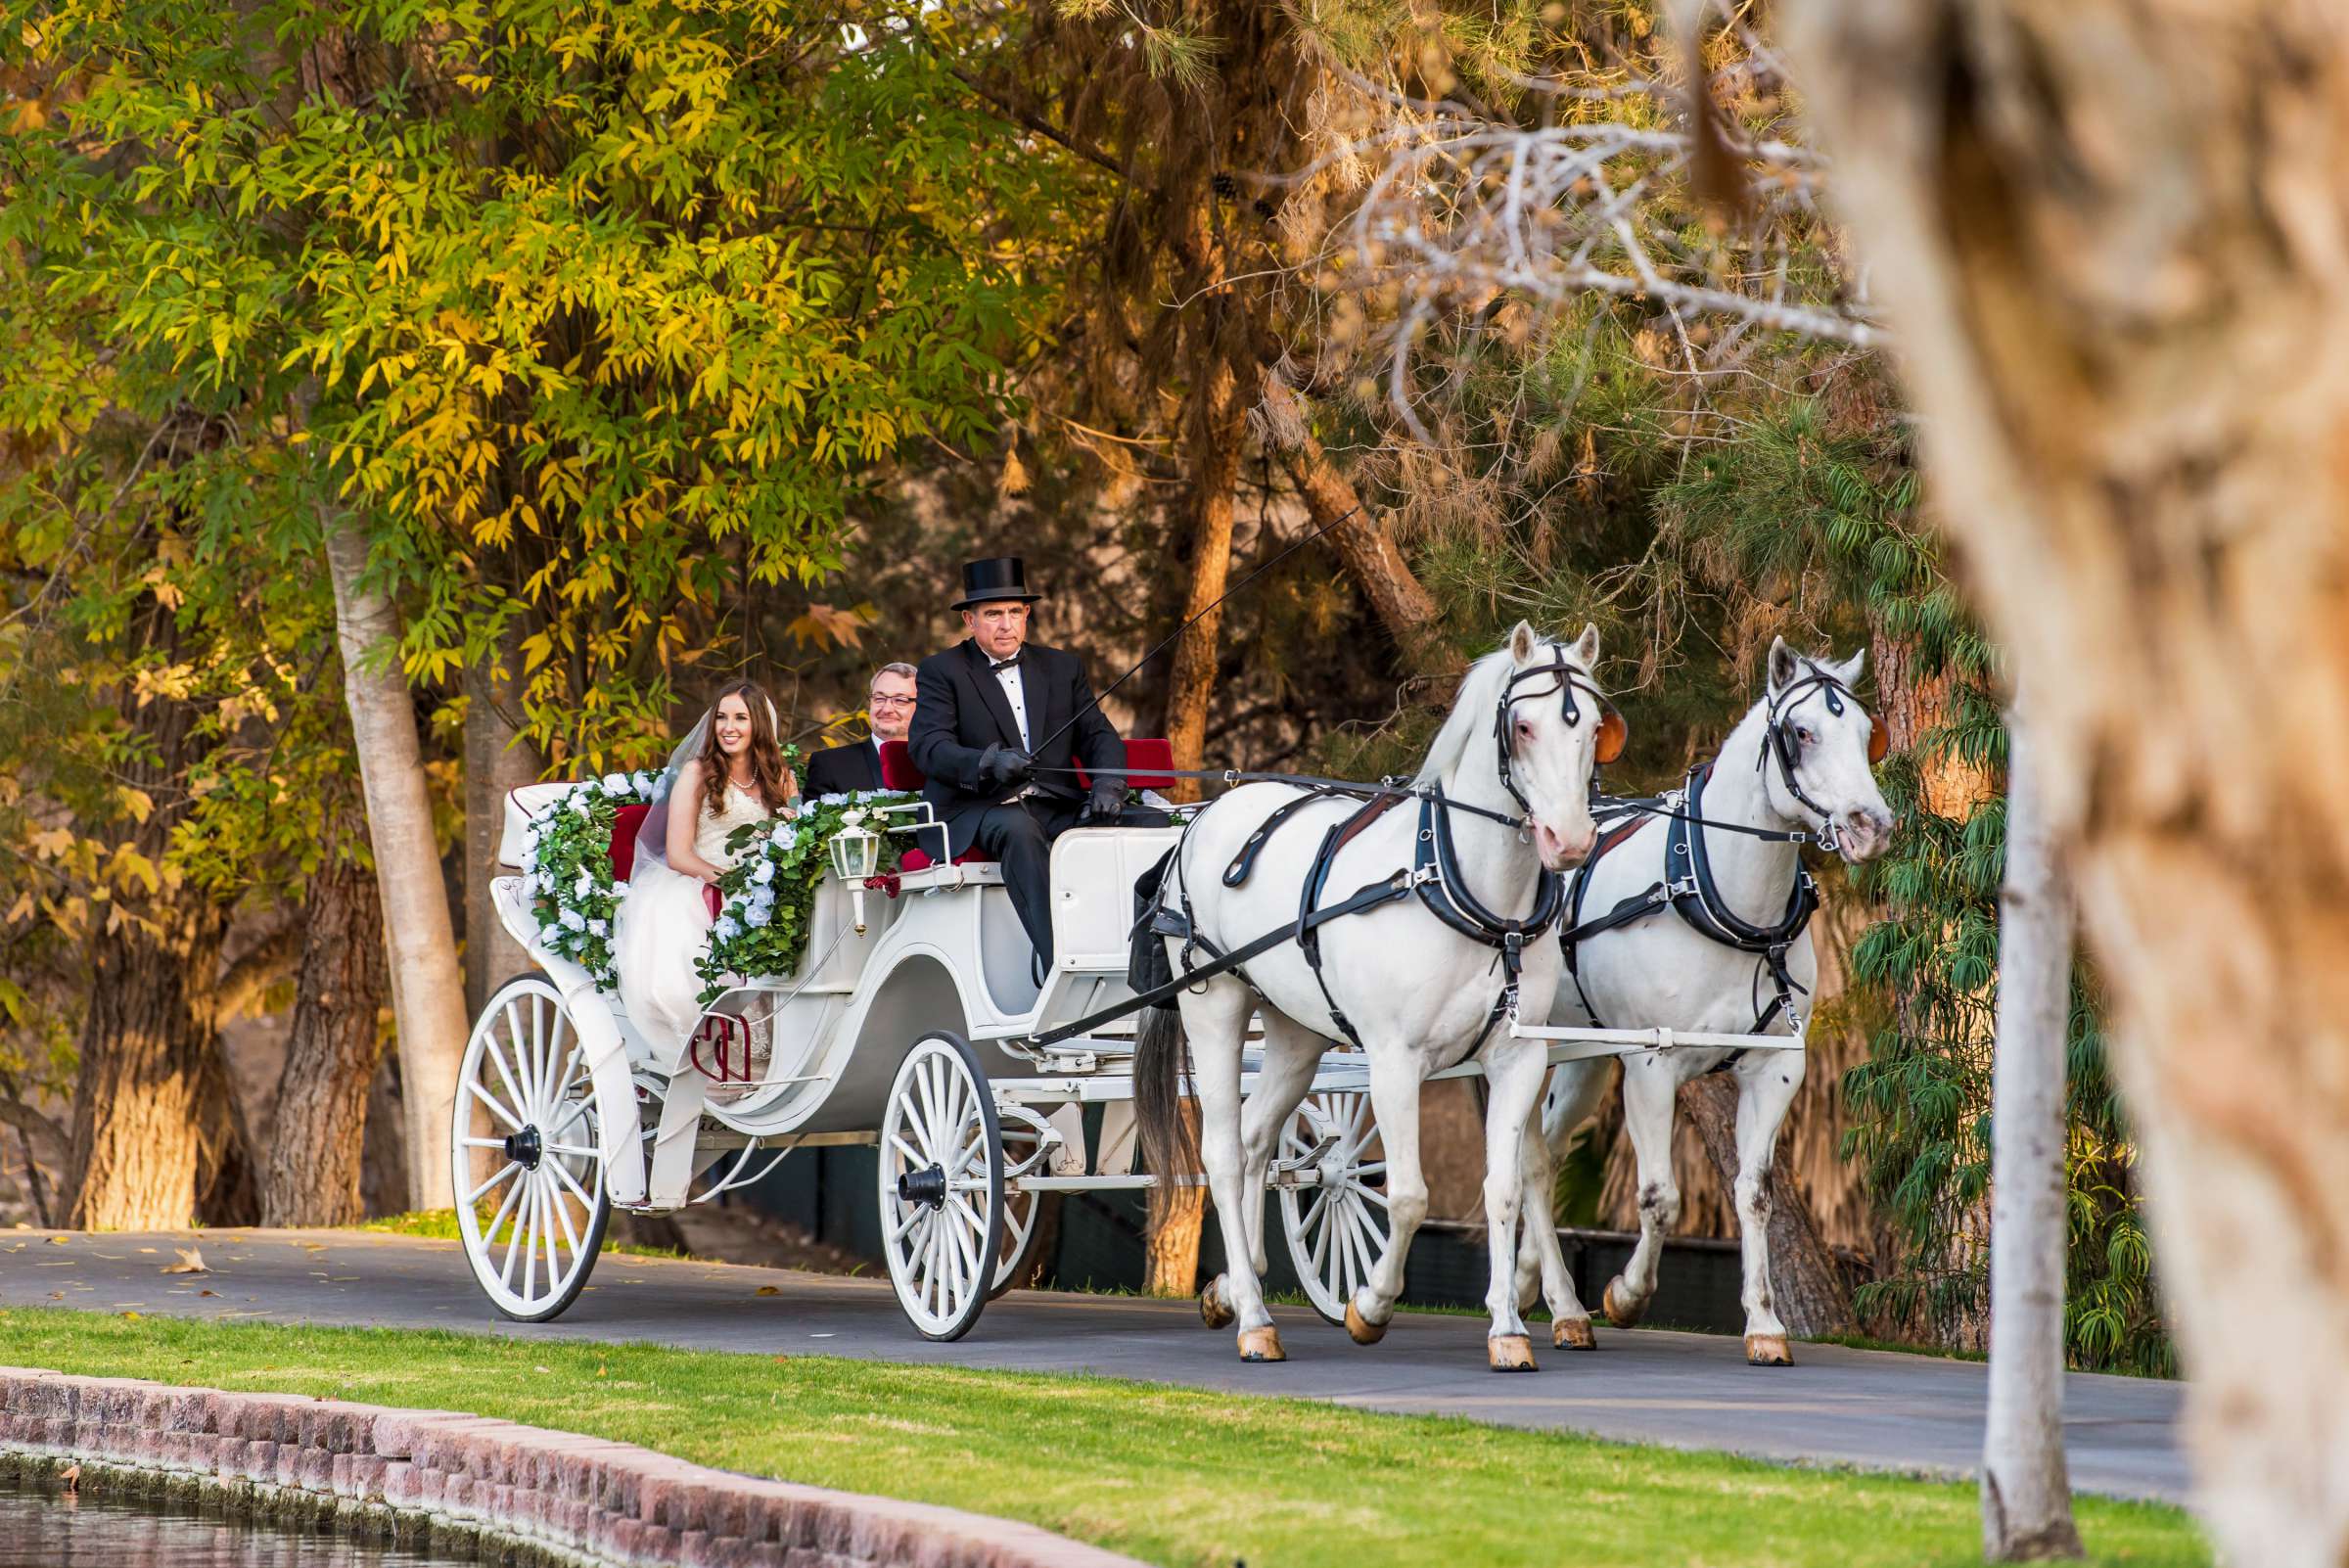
column 1171, row 1475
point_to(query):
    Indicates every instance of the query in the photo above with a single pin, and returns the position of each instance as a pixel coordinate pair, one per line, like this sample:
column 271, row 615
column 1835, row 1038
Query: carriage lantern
column 856, row 856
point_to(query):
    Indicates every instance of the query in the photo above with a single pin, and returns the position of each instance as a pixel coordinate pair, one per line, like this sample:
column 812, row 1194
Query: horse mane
column 1471, row 713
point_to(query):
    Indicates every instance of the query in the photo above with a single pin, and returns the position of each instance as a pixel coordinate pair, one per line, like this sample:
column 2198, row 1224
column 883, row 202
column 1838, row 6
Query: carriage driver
column 998, row 723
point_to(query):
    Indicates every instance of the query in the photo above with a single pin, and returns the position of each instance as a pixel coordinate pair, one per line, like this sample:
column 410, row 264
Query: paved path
column 1865, row 1408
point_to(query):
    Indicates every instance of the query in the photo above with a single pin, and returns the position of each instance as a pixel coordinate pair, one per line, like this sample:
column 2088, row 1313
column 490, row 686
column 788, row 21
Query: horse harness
column 1434, row 876
column 1688, row 886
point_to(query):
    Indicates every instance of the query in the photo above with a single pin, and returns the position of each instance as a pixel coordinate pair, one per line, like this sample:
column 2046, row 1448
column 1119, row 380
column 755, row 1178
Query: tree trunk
column 2026, row 1495
column 1805, row 1286
column 228, row 1187
column 496, row 762
column 312, row 1176
column 2114, row 244
column 428, row 988
column 1173, row 1243
column 1216, row 423
column 384, row 1148
column 1378, row 569
column 143, row 1044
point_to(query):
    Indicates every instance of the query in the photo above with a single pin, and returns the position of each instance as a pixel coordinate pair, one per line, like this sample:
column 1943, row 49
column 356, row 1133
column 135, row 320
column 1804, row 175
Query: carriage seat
column 898, row 772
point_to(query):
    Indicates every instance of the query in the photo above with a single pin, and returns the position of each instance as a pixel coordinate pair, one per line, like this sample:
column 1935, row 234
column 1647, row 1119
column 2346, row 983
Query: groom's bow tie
column 996, row 666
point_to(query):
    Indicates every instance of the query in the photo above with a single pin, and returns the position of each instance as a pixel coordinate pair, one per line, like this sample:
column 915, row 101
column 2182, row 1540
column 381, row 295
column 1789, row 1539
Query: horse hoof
column 1510, row 1352
column 1211, row 1310
column 1363, row 1330
column 1621, row 1311
column 1262, row 1345
column 1768, row 1350
column 1573, row 1333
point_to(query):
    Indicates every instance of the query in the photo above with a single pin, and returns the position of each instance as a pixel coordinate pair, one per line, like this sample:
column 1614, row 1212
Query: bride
column 728, row 771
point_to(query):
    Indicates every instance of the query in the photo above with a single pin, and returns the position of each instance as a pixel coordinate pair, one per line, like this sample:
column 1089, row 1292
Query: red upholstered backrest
column 625, row 823
column 897, row 771
column 1142, row 753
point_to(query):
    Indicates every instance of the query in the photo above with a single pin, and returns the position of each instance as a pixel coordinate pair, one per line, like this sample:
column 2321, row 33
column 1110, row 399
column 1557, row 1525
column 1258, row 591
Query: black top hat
column 1002, row 577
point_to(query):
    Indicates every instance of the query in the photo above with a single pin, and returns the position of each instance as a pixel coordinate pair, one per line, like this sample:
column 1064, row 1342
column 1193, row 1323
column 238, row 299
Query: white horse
column 1416, row 976
column 1798, row 762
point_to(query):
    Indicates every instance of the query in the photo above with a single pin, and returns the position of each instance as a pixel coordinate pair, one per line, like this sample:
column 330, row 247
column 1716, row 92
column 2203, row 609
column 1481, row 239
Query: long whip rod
column 1287, row 550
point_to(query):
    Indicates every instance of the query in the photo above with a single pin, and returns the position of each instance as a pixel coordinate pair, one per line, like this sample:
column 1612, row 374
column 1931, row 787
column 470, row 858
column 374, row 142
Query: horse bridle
column 1778, row 740
column 1612, row 731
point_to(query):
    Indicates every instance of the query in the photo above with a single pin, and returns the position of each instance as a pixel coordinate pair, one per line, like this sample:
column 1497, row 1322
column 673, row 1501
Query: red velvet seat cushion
column 898, row 772
column 626, row 822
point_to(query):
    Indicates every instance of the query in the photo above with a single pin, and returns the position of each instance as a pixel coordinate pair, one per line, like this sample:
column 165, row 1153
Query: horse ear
column 1586, row 647
column 1523, row 640
column 1849, row 670
column 1783, row 666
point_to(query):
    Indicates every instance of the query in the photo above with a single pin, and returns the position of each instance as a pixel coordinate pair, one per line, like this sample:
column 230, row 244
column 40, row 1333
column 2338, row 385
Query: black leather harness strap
column 1309, row 936
column 1244, row 862
column 1703, row 908
column 1691, row 893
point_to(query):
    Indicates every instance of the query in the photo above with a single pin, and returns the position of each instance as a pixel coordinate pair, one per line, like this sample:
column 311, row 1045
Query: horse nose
column 1870, row 826
column 1577, row 846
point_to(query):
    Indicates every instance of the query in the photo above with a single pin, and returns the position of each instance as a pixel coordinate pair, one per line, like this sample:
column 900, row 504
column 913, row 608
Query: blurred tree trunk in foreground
column 2115, row 248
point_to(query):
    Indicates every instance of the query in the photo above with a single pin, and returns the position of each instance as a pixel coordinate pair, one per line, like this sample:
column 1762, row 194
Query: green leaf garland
column 769, row 893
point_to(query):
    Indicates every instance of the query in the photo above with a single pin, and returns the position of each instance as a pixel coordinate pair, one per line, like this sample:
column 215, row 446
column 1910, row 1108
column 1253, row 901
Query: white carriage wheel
column 527, row 1155
column 942, row 1186
column 1337, row 1230
column 1022, row 1211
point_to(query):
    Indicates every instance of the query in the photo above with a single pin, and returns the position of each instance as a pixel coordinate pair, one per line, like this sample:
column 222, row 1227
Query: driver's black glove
column 1002, row 767
column 1108, row 798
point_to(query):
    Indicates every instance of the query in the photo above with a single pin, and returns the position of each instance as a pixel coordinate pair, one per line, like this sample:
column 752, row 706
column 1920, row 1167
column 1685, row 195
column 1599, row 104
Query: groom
column 998, row 723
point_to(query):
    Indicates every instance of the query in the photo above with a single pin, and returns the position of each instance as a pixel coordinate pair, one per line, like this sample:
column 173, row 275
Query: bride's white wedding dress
column 665, row 925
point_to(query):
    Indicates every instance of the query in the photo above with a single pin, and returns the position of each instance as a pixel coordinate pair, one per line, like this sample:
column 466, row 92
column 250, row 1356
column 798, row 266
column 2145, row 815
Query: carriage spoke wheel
column 1023, row 1214
column 1338, row 1229
column 942, row 1186
column 526, row 1157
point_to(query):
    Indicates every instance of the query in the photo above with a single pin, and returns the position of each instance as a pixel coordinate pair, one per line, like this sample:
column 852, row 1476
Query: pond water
column 43, row 1527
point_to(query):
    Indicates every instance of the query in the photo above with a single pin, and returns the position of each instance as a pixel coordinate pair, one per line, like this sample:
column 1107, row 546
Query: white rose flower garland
column 566, row 870
column 769, row 895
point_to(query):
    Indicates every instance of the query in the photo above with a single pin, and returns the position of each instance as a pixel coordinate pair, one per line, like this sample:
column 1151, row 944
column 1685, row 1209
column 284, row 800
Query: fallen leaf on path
column 191, row 1262
column 207, row 1293
column 133, row 1316
column 57, row 1241
column 768, row 1290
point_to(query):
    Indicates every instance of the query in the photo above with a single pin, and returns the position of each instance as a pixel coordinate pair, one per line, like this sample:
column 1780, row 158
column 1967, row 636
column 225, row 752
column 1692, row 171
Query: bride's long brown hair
column 768, row 776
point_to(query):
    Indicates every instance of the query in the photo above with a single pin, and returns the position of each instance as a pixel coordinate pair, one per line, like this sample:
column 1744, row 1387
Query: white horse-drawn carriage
column 915, row 1023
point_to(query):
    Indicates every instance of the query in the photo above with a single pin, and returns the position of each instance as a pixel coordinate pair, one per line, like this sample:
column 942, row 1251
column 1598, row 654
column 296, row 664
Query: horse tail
column 1169, row 1139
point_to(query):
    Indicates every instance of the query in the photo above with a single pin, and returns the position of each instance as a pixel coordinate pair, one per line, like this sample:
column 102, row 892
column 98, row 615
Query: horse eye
column 1525, row 728
column 1805, row 736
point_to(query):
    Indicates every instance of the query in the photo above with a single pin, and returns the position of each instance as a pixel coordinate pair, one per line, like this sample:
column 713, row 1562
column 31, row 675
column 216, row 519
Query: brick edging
column 555, row 1495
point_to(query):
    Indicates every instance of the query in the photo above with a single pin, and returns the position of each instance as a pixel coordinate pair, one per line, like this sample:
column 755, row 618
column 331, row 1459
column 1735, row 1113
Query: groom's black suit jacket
column 838, row 770
column 962, row 711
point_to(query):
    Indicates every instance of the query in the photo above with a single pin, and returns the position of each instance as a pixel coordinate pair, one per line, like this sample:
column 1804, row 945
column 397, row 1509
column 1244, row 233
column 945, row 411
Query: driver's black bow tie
column 998, row 665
